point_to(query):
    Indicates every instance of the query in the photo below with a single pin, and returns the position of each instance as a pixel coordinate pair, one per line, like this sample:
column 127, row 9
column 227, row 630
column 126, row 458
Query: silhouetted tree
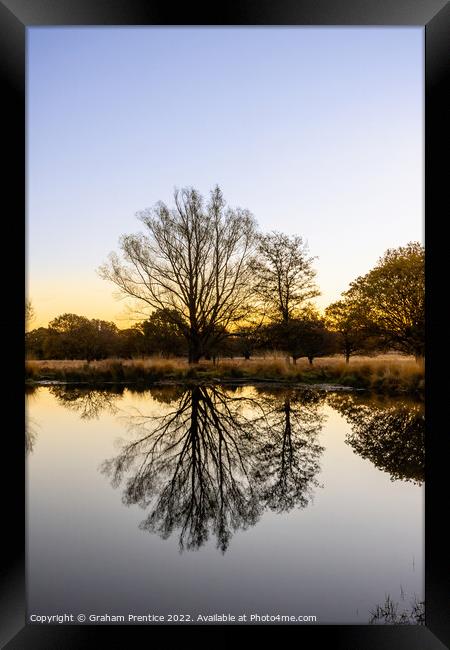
column 102, row 340
column 284, row 279
column 70, row 336
column 304, row 336
column 347, row 319
column 29, row 312
column 192, row 262
column 312, row 338
column 248, row 339
column 37, row 344
column 163, row 334
column 130, row 342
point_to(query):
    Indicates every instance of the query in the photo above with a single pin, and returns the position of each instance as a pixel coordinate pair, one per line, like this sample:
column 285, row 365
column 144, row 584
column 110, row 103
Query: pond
column 212, row 500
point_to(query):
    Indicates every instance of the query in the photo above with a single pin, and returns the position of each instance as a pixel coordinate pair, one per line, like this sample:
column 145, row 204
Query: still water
column 213, row 500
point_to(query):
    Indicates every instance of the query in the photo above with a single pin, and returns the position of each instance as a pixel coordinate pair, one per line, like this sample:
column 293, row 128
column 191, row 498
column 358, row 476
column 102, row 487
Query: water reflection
column 30, row 434
column 205, row 463
column 88, row 402
column 391, row 435
column 208, row 461
column 287, row 453
column 216, row 460
column 30, row 423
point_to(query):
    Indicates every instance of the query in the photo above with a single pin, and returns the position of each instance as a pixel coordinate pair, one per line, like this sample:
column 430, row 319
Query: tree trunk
column 194, row 352
column 347, row 357
column 310, row 359
column 194, row 357
column 194, row 345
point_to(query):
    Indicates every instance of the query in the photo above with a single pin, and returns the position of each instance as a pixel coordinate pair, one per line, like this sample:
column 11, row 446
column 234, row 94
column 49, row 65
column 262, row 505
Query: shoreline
column 213, row 381
column 224, row 381
column 396, row 377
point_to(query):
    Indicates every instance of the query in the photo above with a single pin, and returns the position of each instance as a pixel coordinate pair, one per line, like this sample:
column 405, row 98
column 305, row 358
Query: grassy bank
column 384, row 374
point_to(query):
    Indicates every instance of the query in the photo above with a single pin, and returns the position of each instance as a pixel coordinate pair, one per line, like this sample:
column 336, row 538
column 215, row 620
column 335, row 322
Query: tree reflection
column 288, row 453
column 391, row 436
column 88, row 402
column 30, row 423
column 212, row 463
column 30, row 434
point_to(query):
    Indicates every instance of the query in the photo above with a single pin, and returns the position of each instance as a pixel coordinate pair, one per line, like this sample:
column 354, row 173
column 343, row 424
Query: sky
column 317, row 131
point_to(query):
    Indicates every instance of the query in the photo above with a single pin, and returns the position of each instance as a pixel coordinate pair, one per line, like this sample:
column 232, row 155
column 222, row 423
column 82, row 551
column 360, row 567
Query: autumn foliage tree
column 390, row 299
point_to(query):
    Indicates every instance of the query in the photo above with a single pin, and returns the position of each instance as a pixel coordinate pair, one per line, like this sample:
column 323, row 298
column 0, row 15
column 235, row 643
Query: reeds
column 389, row 613
column 384, row 374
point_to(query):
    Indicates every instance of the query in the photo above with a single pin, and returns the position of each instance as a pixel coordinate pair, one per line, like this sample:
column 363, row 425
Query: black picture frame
column 15, row 17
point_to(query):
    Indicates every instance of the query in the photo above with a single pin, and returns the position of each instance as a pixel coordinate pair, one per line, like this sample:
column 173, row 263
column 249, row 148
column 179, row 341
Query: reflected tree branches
column 206, row 461
column 30, row 423
column 30, row 434
column 288, row 452
column 216, row 460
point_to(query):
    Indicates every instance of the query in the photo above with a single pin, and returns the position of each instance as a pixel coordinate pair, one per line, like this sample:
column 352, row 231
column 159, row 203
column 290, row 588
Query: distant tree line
column 209, row 284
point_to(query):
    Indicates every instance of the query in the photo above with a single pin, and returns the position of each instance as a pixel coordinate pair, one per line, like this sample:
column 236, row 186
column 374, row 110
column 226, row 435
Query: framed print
column 225, row 392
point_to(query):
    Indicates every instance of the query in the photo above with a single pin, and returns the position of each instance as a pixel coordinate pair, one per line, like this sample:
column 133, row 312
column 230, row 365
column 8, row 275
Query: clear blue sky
column 317, row 131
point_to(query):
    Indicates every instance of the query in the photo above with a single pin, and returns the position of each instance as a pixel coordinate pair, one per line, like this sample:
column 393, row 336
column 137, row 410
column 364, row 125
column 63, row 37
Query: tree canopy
column 346, row 319
column 283, row 275
column 207, row 283
column 391, row 299
column 192, row 262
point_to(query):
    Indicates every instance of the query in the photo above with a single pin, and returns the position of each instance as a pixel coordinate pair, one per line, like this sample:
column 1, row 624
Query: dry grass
column 392, row 374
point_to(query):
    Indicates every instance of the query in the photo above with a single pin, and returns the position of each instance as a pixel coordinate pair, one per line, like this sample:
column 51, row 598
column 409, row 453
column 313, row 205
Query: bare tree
column 284, row 275
column 29, row 312
column 192, row 262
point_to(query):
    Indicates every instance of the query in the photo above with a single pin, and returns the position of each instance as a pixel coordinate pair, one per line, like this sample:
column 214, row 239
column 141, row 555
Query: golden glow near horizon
column 94, row 298
column 90, row 297
column 329, row 147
